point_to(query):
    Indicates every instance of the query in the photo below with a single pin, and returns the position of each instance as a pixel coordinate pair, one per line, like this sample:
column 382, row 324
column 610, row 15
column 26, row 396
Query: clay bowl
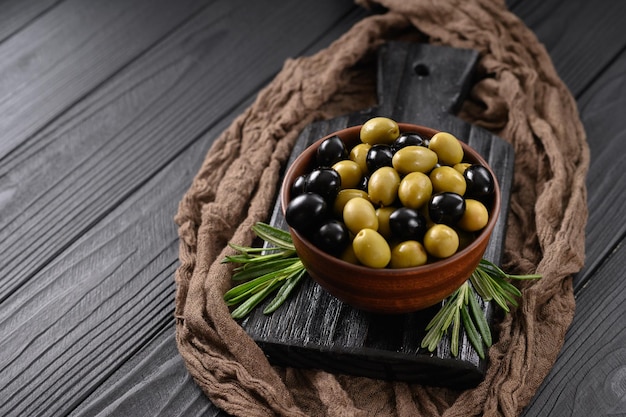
column 388, row 291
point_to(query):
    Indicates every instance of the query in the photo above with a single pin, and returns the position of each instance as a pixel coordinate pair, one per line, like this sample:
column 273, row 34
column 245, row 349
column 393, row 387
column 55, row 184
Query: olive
column 414, row 159
column 441, row 241
column 358, row 214
column 415, row 190
column 382, row 187
column 325, row 182
column 350, row 173
column 383, row 213
column 371, row 249
column 379, row 156
column 299, row 186
column 409, row 139
column 446, row 208
column 407, row 224
column 332, row 237
column 306, row 211
column 475, row 216
column 446, row 178
column 408, row 254
column 447, row 147
column 344, row 196
column 364, row 183
column 379, row 130
column 358, row 154
column 349, row 256
column 461, row 166
column 330, row 151
column 480, row 182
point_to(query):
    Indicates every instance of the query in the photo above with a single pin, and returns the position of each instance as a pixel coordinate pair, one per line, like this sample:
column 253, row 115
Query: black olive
column 446, row 208
column 325, row 182
column 299, row 186
column 332, row 237
column 330, row 151
column 409, row 139
column 306, row 212
column 362, row 185
column 407, row 224
column 378, row 156
column 480, row 182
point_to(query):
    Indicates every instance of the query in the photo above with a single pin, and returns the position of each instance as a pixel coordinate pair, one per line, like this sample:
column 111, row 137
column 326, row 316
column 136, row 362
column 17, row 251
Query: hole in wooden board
column 421, row 69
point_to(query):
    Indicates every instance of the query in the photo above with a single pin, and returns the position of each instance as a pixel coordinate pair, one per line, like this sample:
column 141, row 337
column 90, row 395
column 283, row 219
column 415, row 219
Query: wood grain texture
column 589, row 378
column 154, row 382
column 18, row 14
column 48, row 67
column 601, row 108
column 87, row 91
column 99, row 152
column 582, row 37
column 589, row 375
column 107, row 288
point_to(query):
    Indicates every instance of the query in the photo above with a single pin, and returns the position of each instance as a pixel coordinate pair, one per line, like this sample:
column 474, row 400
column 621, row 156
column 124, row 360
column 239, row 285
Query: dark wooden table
column 107, row 109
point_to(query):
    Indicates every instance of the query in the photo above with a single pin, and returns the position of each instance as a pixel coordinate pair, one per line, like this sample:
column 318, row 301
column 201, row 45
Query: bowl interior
column 388, row 290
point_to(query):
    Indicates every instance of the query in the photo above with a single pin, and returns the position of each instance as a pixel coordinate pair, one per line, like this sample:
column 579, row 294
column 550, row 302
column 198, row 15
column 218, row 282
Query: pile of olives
column 396, row 199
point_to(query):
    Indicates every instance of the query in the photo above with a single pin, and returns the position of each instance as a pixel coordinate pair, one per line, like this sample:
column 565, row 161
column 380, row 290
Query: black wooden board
column 419, row 84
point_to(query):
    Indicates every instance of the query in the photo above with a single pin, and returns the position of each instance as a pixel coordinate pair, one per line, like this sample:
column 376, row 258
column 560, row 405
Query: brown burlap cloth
column 519, row 97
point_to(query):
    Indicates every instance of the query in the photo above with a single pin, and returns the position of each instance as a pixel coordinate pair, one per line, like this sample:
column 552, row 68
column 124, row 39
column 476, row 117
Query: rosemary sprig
column 276, row 268
column 462, row 308
column 266, row 270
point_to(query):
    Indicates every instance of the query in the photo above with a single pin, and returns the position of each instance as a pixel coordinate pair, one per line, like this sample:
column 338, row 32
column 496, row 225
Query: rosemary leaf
column 247, row 306
column 250, row 271
column 480, row 320
column 471, row 332
column 285, row 290
column 456, row 326
column 273, row 235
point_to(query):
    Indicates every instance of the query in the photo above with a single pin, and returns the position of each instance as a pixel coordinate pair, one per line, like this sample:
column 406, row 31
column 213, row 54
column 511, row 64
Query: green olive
column 441, row 241
column 382, row 187
column 408, row 254
column 342, row 198
column 415, row 190
column 358, row 154
column 462, row 166
column 371, row 249
column 475, row 216
column 379, row 130
column 448, row 148
column 349, row 256
column 358, row 214
column 383, row 214
column 414, row 159
column 350, row 173
column 446, row 178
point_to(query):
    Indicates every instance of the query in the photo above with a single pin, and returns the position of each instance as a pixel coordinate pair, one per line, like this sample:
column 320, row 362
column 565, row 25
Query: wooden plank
column 154, row 382
column 314, row 329
column 110, row 290
column 16, row 14
column 588, row 377
column 136, row 122
column 99, row 302
column 606, row 181
column 582, row 37
column 46, row 69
